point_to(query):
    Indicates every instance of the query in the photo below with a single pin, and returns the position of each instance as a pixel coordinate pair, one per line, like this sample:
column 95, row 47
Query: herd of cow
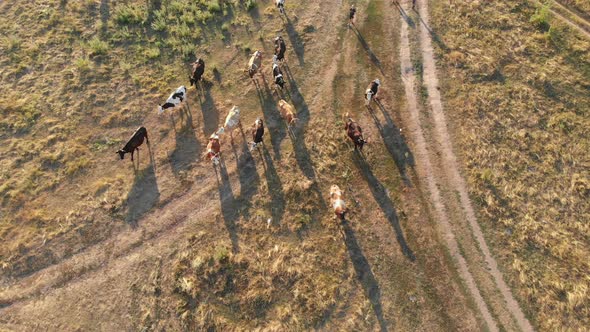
column 232, row 120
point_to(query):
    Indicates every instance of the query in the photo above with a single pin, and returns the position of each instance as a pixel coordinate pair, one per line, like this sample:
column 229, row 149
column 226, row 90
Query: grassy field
column 516, row 83
column 75, row 85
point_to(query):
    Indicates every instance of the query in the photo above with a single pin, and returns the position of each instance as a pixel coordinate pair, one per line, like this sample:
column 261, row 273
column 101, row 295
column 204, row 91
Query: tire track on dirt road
column 451, row 166
column 425, row 167
column 571, row 18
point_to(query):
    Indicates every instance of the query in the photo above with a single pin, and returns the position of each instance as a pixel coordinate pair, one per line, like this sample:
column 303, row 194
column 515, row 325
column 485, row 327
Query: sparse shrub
column 221, row 254
column 159, row 23
column 128, row 14
column 250, row 4
column 225, row 26
column 152, row 53
column 97, row 46
column 83, row 64
column 541, row 18
column 213, row 6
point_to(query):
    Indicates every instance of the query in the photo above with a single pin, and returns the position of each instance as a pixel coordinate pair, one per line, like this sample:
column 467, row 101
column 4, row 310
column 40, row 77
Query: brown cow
column 338, row 204
column 355, row 133
column 288, row 112
column 198, row 70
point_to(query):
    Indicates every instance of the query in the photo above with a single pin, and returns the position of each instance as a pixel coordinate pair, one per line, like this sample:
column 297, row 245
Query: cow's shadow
column 301, row 153
column 374, row 59
column 296, row 40
column 275, row 124
column 275, row 187
column 395, row 143
column 248, row 176
column 363, row 272
column 229, row 204
column 187, row 148
column 381, row 196
column 144, row 194
column 210, row 112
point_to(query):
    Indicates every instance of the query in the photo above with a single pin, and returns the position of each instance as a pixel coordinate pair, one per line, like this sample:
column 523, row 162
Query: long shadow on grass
column 385, row 203
column 143, row 195
column 301, row 153
column 210, row 112
column 104, row 16
column 229, row 205
column 433, row 34
column 395, row 143
column 272, row 117
column 296, row 40
column 374, row 59
column 187, row 148
column 248, row 176
column 275, row 187
column 404, row 15
column 364, row 273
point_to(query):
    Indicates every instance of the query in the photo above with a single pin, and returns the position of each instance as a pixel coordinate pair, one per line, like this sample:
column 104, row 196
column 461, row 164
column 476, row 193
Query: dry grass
column 517, row 86
column 61, row 121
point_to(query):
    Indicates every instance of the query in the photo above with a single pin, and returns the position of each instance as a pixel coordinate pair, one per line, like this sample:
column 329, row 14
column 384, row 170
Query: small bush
column 97, row 46
column 251, row 4
column 152, row 53
column 213, row 6
column 83, row 64
column 541, row 18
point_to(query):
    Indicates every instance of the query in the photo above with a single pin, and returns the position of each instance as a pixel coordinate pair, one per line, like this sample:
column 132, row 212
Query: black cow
column 198, row 70
column 134, row 142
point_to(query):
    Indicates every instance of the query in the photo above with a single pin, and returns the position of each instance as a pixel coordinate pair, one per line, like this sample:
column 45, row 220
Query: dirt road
column 417, row 254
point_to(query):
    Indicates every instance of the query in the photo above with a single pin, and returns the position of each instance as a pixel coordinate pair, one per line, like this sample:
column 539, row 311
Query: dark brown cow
column 280, row 48
column 355, row 133
column 198, row 70
column 134, row 142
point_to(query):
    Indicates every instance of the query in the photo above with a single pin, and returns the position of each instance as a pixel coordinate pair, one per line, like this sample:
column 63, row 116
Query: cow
column 338, row 204
column 134, row 142
column 255, row 63
column 174, row 100
column 232, row 121
column 214, row 149
column 371, row 92
column 355, row 133
column 280, row 48
column 281, row 5
column 278, row 76
column 257, row 131
column 288, row 112
column 197, row 72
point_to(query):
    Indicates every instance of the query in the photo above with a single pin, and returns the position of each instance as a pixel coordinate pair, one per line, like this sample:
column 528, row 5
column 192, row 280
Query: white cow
column 232, row 121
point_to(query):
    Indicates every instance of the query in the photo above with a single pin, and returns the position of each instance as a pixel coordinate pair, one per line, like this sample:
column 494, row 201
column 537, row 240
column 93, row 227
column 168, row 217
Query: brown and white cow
column 257, row 131
column 214, row 149
column 337, row 202
column 134, row 142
